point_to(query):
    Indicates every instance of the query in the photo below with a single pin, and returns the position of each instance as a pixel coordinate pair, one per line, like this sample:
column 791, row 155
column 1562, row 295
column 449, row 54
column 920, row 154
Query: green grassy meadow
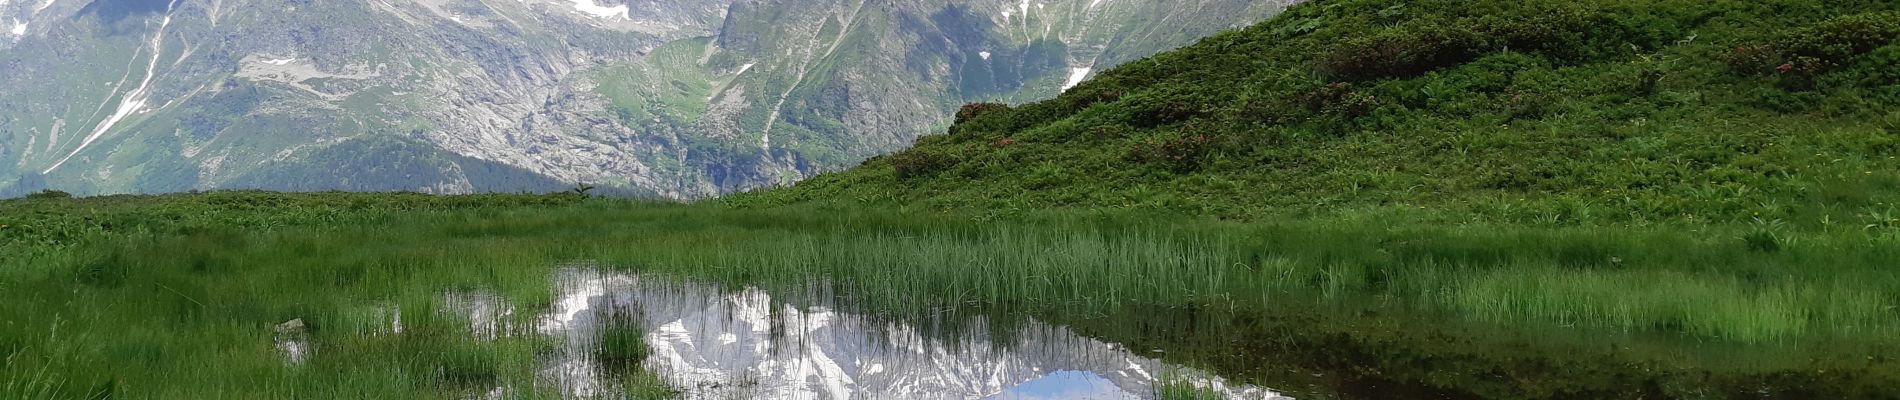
column 135, row 295
column 1357, row 199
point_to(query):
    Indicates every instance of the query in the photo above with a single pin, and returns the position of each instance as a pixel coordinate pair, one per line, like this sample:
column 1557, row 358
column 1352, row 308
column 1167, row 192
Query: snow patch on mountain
column 1076, row 76
column 300, row 76
column 133, row 100
column 588, row 7
column 31, row 140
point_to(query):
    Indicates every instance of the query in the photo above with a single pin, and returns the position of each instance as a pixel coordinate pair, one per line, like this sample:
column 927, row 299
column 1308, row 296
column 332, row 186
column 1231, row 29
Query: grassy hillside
column 1544, row 111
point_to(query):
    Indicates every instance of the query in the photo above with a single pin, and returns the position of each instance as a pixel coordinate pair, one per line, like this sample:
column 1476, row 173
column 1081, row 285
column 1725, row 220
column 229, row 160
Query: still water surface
column 719, row 344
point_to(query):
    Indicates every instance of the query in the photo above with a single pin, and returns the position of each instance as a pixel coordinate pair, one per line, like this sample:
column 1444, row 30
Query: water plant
column 1171, row 385
column 621, row 344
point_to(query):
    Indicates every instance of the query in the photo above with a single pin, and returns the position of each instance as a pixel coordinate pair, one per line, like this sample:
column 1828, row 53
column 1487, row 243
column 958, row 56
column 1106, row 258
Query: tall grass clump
column 1183, row 390
column 1173, row 385
column 1665, row 301
column 621, row 344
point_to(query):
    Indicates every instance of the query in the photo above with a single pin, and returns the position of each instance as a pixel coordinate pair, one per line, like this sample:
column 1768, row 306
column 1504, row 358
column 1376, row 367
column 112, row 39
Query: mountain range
column 664, row 98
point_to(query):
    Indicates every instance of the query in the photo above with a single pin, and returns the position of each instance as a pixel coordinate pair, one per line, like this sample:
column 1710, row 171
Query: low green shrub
column 1799, row 55
column 1091, row 92
column 1426, row 45
column 973, row 110
column 1181, row 153
column 1160, row 109
column 1876, row 73
column 1762, row 241
column 1339, row 99
column 50, row 194
column 1840, row 39
column 1402, row 52
column 920, row 163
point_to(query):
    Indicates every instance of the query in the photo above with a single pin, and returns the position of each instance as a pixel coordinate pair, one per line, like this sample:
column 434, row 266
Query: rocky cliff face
column 676, row 98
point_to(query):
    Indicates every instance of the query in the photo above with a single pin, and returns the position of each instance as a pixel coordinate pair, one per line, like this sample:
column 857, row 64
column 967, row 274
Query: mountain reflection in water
column 712, row 343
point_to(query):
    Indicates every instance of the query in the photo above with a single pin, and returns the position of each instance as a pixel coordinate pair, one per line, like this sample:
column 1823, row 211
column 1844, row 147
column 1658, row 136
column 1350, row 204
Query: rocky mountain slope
column 676, row 98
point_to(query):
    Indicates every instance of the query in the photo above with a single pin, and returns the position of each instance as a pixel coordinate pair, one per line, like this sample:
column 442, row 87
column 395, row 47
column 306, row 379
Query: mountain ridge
column 576, row 91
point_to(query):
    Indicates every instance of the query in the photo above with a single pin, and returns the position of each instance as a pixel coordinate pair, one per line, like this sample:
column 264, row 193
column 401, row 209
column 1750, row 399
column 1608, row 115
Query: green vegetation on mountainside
column 1541, row 111
column 668, row 86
